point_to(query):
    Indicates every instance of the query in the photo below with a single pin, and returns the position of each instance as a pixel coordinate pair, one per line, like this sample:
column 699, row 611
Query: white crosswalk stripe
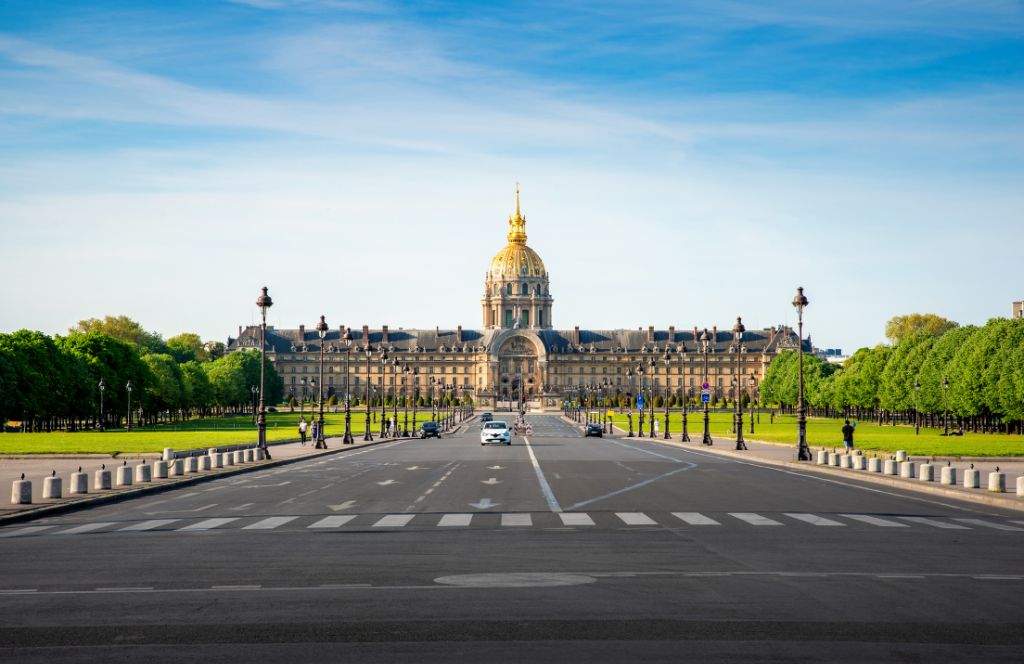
column 695, row 519
column 516, row 520
column 934, row 523
column 449, row 520
column 394, row 521
column 30, row 530
column 85, row 528
column 147, row 525
column 207, row 524
column 332, row 521
column 270, row 523
column 990, row 524
column 576, row 519
column 754, row 519
column 874, row 520
column 814, row 519
column 636, row 519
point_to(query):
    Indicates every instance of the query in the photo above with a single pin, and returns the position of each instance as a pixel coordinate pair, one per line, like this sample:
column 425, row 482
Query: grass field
column 197, row 433
column 827, row 433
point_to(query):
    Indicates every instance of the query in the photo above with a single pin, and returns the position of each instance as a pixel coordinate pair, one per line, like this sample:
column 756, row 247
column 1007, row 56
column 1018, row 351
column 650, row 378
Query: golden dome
column 516, row 259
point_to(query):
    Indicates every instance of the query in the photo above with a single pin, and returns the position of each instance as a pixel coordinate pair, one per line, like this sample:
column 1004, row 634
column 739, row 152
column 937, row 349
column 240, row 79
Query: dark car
column 430, row 429
column 486, row 417
column 594, row 430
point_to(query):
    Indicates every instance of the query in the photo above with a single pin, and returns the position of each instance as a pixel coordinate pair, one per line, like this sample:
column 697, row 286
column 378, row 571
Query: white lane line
column 515, row 520
column 636, row 519
column 814, row 519
column 695, row 519
column 85, row 528
column 990, row 524
column 874, row 520
column 270, row 523
column 208, row 524
column 394, row 521
column 544, row 486
column 147, row 525
column 332, row 521
column 576, row 519
column 125, row 589
column 631, row 487
column 455, row 520
column 236, row 587
column 754, row 519
column 934, row 523
column 20, row 532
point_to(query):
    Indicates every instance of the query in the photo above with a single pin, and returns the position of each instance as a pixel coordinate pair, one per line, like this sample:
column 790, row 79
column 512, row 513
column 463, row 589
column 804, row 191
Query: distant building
column 832, row 355
column 1018, row 309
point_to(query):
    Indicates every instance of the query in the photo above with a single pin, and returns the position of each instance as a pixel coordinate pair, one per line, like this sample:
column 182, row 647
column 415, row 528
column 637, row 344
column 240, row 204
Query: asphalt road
column 596, row 549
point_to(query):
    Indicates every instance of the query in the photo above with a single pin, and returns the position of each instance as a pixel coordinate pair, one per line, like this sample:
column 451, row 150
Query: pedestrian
column 313, row 430
column 848, row 436
column 302, row 429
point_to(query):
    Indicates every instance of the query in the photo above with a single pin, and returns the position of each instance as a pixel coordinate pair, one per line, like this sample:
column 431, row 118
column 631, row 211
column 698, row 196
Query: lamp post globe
column 803, row 451
column 737, row 336
column 347, row 440
column 321, row 441
column 264, row 302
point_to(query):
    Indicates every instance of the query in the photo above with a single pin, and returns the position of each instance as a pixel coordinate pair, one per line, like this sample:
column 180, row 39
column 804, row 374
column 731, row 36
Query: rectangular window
column 508, row 318
column 524, row 318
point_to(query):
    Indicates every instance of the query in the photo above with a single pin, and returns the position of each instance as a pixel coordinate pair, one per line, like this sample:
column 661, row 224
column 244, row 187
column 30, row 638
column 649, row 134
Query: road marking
column 515, row 520
column 125, row 589
column 484, row 504
column 989, row 524
column 874, row 521
column 235, row 587
column 24, row 531
column 387, row 483
column 576, row 519
column 495, row 467
column 394, row 521
column 455, row 520
column 208, row 524
column 754, row 519
column 814, row 519
column 492, row 481
column 632, row 487
column 348, row 504
column 85, row 528
column 695, row 519
column 270, row 523
column 544, row 486
column 933, row 523
column 147, row 525
column 636, row 519
column 332, row 521
column 241, row 507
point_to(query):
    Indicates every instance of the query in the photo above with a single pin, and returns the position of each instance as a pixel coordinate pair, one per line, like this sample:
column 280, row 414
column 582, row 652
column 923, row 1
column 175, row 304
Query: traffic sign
column 705, row 397
column 705, row 386
column 640, row 401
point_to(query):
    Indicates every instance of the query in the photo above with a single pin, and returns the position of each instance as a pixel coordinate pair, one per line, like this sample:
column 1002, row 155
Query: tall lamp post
column 321, row 441
column 629, row 415
column 396, row 366
column 642, row 400
column 737, row 336
column 652, row 367
column 103, row 388
column 667, row 359
column 383, row 390
column 367, row 434
column 347, row 439
column 917, row 407
column 415, row 394
column 945, row 406
column 406, row 372
column 686, row 396
column 803, row 451
column 128, row 425
column 255, row 407
column 704, row 348
column 263, row 302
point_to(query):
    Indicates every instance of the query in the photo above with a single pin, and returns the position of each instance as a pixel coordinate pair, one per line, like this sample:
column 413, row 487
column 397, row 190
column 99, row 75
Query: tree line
column 52, row 383
column 976, row 374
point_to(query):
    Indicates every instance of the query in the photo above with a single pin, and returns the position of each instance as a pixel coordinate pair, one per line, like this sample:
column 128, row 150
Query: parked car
column 593, row 429
column 486, row 417
column 430, row 430
column 496, row 432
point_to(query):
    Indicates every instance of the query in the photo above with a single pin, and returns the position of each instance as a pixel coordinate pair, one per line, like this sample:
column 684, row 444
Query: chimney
column 458, row 334
column 695, row 335
column 239, row 330
column 650, row 333
column 671, row 333
column 366, row 334
column 714, row 334
column 576, row 336
column 383, row 334
column 341, row 331
column 302, row 332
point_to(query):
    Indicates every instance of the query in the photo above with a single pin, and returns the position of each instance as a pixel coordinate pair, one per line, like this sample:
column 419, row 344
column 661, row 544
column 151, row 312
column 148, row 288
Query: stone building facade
column 517, row 353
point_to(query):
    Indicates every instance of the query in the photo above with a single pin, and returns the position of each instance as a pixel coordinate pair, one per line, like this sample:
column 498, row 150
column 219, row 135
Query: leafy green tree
column 859, row 384
column 166, row 392
column 935, row 367
column 896, row 388
column 187, row 347
column 233, row 376
column 125, row 329
column 972, row 371
column 114, row 361
column 900, row 327
column 199, row 394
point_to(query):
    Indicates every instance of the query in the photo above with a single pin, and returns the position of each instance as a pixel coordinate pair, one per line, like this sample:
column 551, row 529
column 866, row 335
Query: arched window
column 508, row 288
column 525, row 290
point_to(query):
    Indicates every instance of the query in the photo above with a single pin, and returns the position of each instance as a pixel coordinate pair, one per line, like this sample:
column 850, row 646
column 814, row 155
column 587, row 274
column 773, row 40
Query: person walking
column 302, row 429
column 848, row 436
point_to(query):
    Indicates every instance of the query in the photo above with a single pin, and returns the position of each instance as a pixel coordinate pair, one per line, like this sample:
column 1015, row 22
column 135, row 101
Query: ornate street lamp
column 704, row 348
column 383, row 390
column 433, row 398
column 803, row 451
column 652, row 368
column 737, row 337
column 263, row 302
column 367, row 434
column 643, row 401
column 395, row 368
column 321, row 442
column 945, row 406
column 347, row 440
column 128, row 387
column 103, row 388
column 667, row 359
column 629, row 413
column 415, row 396
column 917, row 407
column 302, row 397
column 682, row 371
column 406, row 372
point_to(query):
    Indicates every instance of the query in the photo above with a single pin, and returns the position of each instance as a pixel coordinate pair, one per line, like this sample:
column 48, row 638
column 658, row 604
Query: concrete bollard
column 901, row 456
column 168, row 454
column 124, row 476
column 890, row 467
column 217, row 460
column 1020, row 486
column 926, row 473
column 212, row 451
column 21, row 491
column 160, row 470
column 79, row 483
column 257, row 454
column 949, row 475
column 972, row 479
column 53, row 487
column 101, row 479
column 874, row 465
column 997, row 482
column 205, row 463
column 833, row 459
column 249, row 456
column 858, row 462
column 192, row 464
column 822, row 457
column 907, row 470
column 239, row 457
column 844, row 461
column 143, row 472
column 175, row 468
column 229, row 458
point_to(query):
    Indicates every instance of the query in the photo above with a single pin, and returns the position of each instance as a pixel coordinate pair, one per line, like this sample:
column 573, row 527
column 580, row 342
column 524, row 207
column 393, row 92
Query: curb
column 111, row 498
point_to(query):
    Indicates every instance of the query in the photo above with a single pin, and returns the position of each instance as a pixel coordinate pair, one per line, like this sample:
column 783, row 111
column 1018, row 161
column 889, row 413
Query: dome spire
column 517, row 224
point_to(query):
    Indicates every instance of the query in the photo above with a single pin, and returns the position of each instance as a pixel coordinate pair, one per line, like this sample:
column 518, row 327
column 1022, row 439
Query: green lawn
column 827, row 433
column 198, row 433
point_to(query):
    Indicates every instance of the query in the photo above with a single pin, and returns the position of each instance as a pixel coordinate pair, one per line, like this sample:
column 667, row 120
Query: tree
column 972, row 370
column 125, row 329
column 935, row 368
column 114, row 361
column 199, row 394
column 166, row 392
column 900, row 327
column 896, row 387
column 187, row 347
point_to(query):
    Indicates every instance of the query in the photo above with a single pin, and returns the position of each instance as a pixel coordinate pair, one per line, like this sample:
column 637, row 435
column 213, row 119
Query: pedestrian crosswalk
column 696, row 521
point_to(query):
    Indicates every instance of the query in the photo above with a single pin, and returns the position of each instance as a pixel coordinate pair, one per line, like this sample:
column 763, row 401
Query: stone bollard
column 822, row 457
column 890, row 467
column 844, row 461
column 53, row 487
column 101, row 478
column 79, row 482
column 160, row 470
column 21, row 491
column 175, row 468
column 907, row 470
column 926, row 473
column 124, row 476
column 874, row 465
column 192, row 464
column 168, row 454
column 229, row 458
column 972, row 479
column 1020, row 486
column 833, row 459
column 858, row 462
column 257, row 454
column 249, row 456
column 901, row 456
column 143, row 472
column 205, row 463
column 239, row 457
column 216, row 460
column 211, row 451
column 949, row 475
column 997, row 482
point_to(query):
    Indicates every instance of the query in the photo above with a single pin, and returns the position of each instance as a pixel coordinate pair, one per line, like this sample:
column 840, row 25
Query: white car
column 495, row 432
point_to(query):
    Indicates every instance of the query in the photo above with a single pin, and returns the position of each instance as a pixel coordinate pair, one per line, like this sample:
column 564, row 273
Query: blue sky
column 682, row 163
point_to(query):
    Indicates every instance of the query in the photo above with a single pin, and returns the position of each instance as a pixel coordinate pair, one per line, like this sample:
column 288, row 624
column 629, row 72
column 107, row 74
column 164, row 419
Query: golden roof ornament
column 517, row 224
